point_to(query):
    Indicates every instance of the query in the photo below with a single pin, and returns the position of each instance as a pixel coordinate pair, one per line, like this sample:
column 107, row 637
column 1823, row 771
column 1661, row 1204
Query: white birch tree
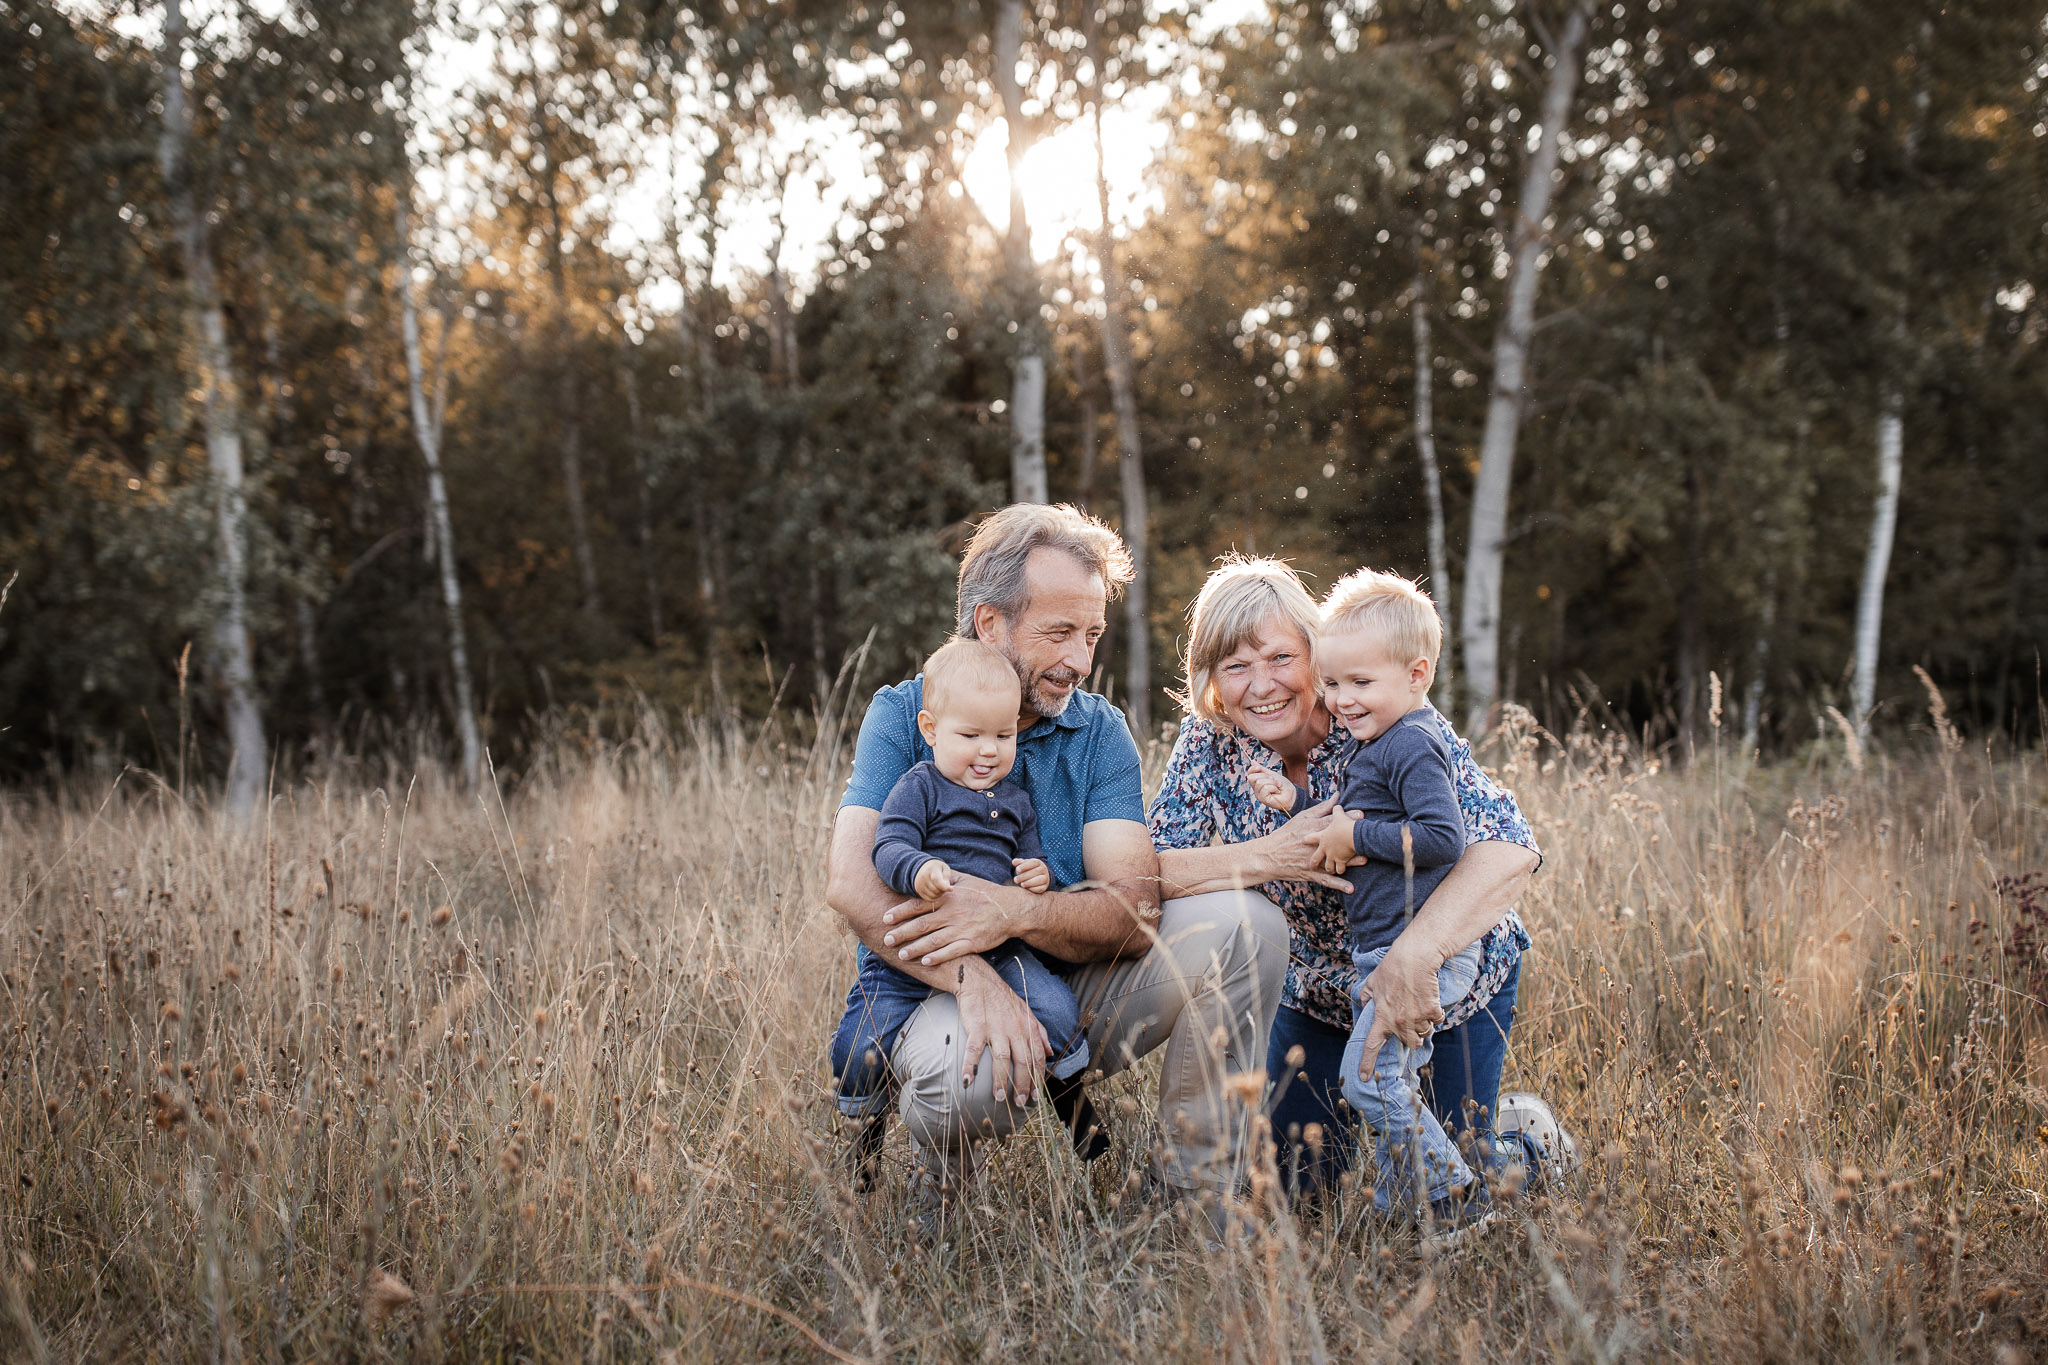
column 221, row 406
column 1123, row 398
column 1877, row 559
column 1027, row 372
column 1432, row 485
column 1507, row 396
column 1891, row 432
column 426, row 424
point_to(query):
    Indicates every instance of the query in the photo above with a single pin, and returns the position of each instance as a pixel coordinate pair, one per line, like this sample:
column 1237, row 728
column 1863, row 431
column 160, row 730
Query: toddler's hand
column 1032, row 874
column 934, row 880
column 1271, row 789
column 1334, row 849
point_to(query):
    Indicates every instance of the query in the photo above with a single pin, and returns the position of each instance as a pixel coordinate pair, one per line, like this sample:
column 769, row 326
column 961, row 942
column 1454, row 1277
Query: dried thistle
column 384, row 1295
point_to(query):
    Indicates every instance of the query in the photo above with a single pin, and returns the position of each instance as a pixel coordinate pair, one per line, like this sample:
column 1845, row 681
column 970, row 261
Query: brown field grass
column 402, row 1073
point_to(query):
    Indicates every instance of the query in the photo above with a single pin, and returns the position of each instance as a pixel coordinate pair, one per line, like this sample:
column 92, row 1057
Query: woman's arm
column 1285, row 855
column 1481, row 888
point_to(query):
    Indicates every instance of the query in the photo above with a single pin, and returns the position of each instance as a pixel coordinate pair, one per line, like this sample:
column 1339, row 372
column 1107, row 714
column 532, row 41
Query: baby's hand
column 1271, row 789
column 1032, row 874
column 1334, row 849
column 934, row 880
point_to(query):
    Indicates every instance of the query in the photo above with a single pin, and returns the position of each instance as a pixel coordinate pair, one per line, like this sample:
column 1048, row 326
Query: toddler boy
column 1398, row 809
column 959, row 813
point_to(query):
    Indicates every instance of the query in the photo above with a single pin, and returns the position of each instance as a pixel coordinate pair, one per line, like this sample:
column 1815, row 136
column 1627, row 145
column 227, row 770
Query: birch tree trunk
column 221, row 406
column 1116, row 365
column 426, row 425
column 643, row 480
column 1891, row 434
column 1084, row 489
column 1884, row 520
column 1487, row 543
column 1432, row 487
column 1027, row 373
column 1753, row 699
column 571, row 435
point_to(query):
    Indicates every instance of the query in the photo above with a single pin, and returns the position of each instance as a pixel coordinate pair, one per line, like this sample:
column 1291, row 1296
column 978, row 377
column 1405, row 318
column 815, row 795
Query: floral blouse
column 1205, row 799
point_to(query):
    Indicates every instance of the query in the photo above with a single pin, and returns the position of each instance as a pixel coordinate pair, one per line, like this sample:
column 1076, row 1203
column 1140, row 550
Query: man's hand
column 1270, row 788
column 1334, row 848
column 994, row 1020
column 974, row 917
column 933, row 880
column 1406, row 1002
column 1032, row 874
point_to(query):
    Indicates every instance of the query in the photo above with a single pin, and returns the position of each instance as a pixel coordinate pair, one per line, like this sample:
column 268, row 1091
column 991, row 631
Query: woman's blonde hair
column 1243, row 602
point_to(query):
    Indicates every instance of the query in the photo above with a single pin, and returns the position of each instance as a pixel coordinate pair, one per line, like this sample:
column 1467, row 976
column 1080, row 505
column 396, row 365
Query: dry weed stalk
column 568, row 1039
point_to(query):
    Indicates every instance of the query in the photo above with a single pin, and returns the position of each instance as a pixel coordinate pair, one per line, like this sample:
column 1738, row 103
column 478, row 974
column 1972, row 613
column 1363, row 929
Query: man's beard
column 1050, row 704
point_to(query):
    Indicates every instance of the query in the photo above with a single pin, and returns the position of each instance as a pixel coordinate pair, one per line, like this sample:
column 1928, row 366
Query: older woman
column 1253, row 697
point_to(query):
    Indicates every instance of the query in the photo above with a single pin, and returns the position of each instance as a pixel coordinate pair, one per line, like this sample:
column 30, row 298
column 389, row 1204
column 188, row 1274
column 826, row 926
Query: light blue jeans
column 1408, row 1135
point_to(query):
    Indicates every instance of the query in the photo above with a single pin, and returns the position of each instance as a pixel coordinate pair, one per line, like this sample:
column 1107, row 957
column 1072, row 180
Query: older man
column 1199, row 975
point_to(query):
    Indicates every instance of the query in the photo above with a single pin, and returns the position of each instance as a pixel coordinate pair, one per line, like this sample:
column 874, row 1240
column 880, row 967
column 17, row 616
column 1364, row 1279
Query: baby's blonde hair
column 963, row 663
column 1389, row 608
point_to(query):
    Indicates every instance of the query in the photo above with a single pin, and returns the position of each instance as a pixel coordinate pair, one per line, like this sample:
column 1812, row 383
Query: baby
column 955, row 814
column 1398, row 810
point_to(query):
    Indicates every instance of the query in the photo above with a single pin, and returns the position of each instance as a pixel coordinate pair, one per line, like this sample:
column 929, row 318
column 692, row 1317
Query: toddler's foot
column 1084, row 1126
column 1459, row 1218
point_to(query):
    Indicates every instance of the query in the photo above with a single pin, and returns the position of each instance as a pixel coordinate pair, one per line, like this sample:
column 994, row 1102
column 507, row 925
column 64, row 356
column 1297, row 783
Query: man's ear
column 928, row 726
column 988, row 623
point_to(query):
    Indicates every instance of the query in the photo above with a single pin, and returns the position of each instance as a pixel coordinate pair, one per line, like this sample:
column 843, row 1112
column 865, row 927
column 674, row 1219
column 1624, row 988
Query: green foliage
column 1770, row 214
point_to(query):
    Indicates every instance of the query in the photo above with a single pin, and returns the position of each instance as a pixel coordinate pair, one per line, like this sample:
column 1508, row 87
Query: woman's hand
column 1406, row 1003
column 1293, row 848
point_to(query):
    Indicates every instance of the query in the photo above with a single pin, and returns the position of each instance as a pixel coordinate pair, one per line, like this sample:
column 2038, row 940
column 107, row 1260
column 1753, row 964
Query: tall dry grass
column 400, row 1073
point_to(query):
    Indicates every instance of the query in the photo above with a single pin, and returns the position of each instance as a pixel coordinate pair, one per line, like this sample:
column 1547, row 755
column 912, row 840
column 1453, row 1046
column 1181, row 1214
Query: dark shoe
column 1084, row 1126
column 940, row 1184
column 1220, row 1221
column 865, row 1156
column 1459, row 1219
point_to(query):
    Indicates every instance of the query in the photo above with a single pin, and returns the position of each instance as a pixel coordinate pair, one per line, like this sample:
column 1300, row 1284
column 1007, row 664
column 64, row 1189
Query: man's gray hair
column 992, row 570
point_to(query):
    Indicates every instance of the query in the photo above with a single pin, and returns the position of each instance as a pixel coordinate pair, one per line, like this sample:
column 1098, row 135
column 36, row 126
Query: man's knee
column 938, row 1111
column 1241, row 932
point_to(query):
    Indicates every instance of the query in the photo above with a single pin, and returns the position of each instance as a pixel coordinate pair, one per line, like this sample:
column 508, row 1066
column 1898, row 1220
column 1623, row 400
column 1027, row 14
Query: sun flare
column 1058, row 175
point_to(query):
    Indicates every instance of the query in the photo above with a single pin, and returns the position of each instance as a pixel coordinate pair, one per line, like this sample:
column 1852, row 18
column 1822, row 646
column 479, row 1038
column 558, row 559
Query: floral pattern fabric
column 1205, row 799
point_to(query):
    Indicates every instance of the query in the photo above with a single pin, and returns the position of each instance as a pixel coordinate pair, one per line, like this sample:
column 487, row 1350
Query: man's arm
column 1108, row 916
column 991, row 1014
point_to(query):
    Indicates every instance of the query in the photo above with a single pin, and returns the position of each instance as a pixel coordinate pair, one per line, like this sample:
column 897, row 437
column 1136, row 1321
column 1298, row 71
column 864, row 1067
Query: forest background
column 392, row 374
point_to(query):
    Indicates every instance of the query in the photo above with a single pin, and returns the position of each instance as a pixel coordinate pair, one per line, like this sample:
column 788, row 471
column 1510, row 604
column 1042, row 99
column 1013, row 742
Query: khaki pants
column 1207, row 990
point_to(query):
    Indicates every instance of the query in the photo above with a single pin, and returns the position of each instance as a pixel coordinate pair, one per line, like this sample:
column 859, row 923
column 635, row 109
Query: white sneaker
column 1533, row 1127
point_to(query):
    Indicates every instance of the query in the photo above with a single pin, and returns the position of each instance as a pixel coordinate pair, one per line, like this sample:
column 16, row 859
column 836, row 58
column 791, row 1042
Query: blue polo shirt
column 1079, row 767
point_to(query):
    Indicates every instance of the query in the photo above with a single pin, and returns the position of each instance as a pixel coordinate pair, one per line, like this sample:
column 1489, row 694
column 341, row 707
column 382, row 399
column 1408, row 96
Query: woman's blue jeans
column 1462, row 1088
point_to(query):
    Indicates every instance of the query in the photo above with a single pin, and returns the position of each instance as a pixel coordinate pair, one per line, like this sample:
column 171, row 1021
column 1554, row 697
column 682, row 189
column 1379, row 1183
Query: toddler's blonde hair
column 1391, row 609
column 962, row 663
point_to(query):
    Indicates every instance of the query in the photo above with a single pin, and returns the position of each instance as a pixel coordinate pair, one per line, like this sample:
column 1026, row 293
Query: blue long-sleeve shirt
column 1401, row 779
column 927, row 815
